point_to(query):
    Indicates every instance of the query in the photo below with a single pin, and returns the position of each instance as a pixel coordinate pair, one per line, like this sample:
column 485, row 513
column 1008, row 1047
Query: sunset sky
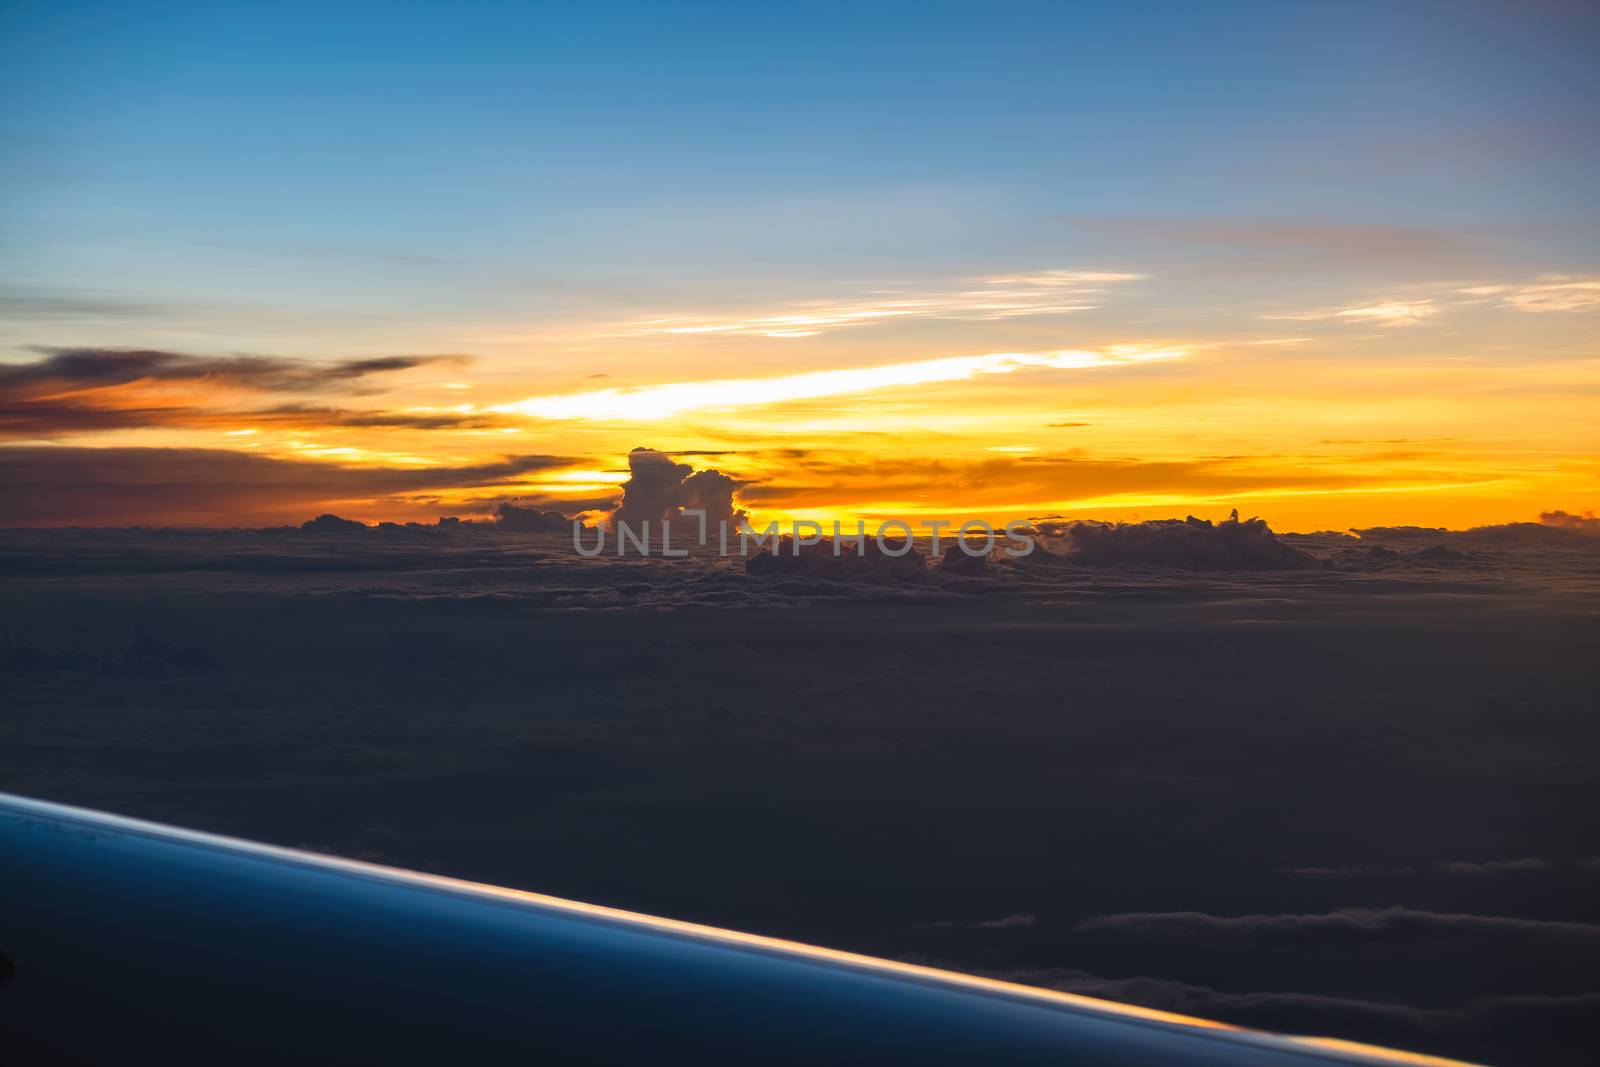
column 1335, row 266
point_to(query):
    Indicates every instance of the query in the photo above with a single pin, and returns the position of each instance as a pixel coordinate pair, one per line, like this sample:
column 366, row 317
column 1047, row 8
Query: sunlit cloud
column 1050, row 292
column 651, row 402
column 1385, row 313
column 1551, row 292
column 1392, row 313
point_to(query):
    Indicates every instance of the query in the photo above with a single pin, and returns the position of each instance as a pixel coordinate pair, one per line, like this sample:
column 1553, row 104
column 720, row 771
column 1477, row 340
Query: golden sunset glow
column 1471, row 412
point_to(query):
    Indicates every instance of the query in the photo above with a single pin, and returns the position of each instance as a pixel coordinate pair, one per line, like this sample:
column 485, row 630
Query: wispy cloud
column 1392, row 312
column 1547, row 293
column 1048, row 292
column 1551, row 292
column 1384, row 313
column 650, row 402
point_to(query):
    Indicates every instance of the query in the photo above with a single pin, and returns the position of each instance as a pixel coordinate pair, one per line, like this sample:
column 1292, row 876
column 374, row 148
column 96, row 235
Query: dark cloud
column 1527, row 865
column 77, row 390
column 510, row 709
column 658, row 488
column 89, row 368
column 1587, row 522
column 301, row 414
column 1347, row 926
column 332, row 524
column 854, row 560
column 185, row 486
column 1512, row 534
column 1192, row 544
column 509, row 516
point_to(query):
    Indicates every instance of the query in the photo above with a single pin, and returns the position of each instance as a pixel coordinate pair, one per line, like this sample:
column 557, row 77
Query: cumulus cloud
column 1190, row 544
column 660, row 488
column 510, row 517
column 1587, row 522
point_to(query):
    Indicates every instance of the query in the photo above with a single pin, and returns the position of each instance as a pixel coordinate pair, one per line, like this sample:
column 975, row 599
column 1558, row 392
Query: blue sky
column 530, row 159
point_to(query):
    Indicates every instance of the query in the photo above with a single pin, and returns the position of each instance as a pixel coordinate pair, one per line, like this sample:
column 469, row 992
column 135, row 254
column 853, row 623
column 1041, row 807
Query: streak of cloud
column 85, row 390
column 1551, row 292
column 651, row 402
column 1047, row 292
column 1384, row 313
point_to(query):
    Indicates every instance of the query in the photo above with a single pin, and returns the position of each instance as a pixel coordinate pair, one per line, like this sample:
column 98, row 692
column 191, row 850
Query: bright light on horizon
column 651, row 402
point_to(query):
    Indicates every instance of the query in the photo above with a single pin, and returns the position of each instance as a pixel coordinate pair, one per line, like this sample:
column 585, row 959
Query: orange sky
column 997, row 397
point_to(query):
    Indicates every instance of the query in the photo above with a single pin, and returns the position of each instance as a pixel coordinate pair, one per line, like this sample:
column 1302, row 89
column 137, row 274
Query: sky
column 1335, row 265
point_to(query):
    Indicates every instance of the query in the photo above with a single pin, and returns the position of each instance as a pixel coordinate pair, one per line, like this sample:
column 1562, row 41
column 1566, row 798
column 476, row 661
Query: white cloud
column 1050, row 292
column 1392, row 313
column 1385, row 313
column 649, row 402
column 1556, row 292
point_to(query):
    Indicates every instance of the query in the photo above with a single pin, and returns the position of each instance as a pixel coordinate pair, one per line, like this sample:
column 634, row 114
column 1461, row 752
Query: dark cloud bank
column 1318, row 783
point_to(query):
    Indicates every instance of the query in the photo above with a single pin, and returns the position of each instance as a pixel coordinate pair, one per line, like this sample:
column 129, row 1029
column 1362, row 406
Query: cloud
column 48, row 486
column 1047, row 292
column 1192, row 544
column 649, row 402
column 1551, row 292
column 516, row 519
column 1347, row 925
column 77, row 390
column 1527, row 865
column 1385, row 313
column 659, row 488
column 1392, row 312
column 1587, row 522
column 89, row 368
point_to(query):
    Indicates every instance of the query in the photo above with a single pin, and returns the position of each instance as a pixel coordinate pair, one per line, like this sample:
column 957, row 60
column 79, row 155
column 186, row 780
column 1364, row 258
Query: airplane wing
column 130, row 942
